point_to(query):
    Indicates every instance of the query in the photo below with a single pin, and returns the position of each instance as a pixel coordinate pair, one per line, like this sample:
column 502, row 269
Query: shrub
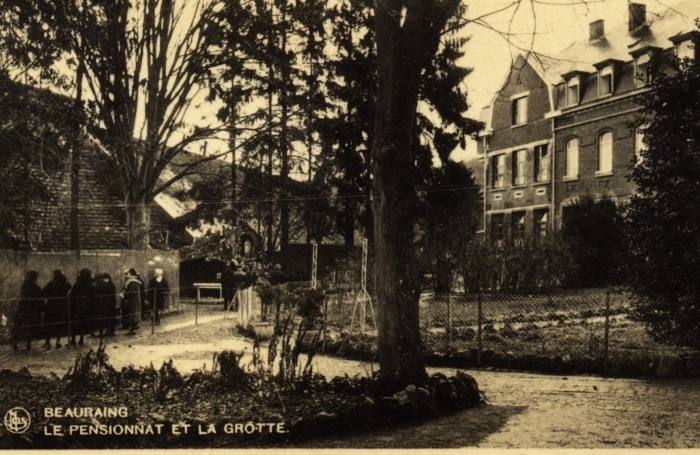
column 594, row 232
column 532, row 265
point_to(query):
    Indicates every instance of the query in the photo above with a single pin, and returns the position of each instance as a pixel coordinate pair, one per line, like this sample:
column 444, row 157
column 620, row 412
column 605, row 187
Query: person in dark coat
column 228, row 285
column 27, row 319
column 278, row 276
column 56, row 308
column 107, row 307
column 157, row 293
column 131, row 295
column 83, row 296
column 252, row 274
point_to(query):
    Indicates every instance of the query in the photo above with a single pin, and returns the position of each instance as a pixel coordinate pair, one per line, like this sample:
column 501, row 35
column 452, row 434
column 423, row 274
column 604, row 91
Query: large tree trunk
column 138, row 221
column 403, row 50
column 400, row 353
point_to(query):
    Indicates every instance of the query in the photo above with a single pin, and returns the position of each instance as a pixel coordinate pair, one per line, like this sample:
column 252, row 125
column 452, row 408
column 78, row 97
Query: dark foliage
column 593, row 230
column 450, row 221
column 663, row 218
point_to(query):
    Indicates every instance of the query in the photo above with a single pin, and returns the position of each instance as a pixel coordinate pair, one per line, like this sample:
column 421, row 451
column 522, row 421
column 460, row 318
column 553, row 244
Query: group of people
column 89, row 306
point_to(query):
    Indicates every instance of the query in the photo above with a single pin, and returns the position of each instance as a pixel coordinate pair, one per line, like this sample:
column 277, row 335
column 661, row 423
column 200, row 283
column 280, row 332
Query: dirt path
column 527, row 410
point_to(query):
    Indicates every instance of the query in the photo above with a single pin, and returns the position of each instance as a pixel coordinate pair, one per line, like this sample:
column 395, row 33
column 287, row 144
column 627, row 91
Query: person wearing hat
column 106, row 305
column 82, row 306
column 132, row 300
column 56, row 310
column 157, row 293
column 27, row 319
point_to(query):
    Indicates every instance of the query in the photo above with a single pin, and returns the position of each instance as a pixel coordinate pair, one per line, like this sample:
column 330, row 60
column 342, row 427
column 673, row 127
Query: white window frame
column 605, row 153
column 517, row 229
column 519, row 167
column 572, row 159
column 639, row 145
column 685, row 49
column 573, row 85
column 606, row 80
column 498, row 169
column 540, row 223
column 542, row 163
column 641, row 67
column 497, row 229
column 519, row 110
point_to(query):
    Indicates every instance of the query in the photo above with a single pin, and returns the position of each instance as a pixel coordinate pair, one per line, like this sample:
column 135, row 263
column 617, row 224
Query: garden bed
column 232, row 405
column 563, row 346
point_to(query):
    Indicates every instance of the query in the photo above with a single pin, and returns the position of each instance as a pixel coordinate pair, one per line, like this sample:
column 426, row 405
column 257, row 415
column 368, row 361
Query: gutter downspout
column 486, row 179
column 554, row 176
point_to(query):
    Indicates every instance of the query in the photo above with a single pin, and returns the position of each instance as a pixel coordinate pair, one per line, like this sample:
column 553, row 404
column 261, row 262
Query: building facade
column 566, row 128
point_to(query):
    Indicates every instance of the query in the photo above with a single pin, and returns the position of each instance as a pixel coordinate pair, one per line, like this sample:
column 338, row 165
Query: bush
column 533, row 265
column 309, row 304
column 594, row 232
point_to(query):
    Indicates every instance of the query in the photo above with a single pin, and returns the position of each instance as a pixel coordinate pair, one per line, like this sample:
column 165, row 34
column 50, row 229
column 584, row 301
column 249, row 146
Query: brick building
column 561, row 129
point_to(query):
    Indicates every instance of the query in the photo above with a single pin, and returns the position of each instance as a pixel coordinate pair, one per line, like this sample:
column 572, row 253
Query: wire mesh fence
column 583, row 331
column 575, row 332
column 249, row 306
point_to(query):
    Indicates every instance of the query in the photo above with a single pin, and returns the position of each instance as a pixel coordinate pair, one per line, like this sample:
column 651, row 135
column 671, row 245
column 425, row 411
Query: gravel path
column 536, row 411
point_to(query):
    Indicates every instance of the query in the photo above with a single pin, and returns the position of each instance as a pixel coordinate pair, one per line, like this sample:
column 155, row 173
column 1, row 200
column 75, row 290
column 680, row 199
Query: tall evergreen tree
column 273, row 50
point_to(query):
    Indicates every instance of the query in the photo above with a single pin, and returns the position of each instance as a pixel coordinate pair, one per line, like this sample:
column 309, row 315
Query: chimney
column 597, row 30
column 637, row 15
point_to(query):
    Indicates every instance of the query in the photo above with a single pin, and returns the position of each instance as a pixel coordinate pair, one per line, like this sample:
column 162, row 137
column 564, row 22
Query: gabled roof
column 548, row 69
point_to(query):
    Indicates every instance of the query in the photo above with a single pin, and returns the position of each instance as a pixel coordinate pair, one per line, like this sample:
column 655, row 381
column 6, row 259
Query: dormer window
column 685, row 49
column 607, row 71
column 685, row 45
column 641, row 69
column 605, row 81
column 643, row 72
column 573, row 91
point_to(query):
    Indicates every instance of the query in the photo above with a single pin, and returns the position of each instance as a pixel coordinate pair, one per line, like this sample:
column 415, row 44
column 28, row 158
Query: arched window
column 639, row 146
column 572, row 159
column 605, row 153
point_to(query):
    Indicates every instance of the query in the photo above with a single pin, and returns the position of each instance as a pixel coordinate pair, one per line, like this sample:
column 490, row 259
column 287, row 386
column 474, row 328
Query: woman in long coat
column 27, row 319
column 56, row 309
column 107, row 311
column 82, row 306
column 157, row 293
column 131, row 300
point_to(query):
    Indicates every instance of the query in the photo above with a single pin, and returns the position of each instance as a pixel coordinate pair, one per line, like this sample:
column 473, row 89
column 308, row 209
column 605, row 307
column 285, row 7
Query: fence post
column 196, row 312
column 607, row 334
column 449, row 317
column 69, row 318
column 479, row 317
column 325, row 324
column 363, row 315
column 153, row 311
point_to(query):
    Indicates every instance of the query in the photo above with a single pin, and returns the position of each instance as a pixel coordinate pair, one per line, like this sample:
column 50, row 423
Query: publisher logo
column 17, row 420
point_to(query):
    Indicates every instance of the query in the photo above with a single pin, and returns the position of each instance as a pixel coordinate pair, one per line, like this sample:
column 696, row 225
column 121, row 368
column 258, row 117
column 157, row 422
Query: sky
column 546, row 26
